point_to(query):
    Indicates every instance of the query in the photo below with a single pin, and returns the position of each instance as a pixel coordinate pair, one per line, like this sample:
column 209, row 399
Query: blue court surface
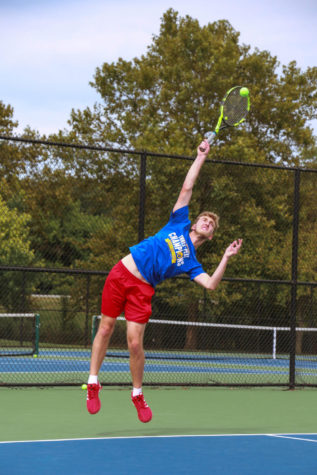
column 79, row 360
column 267, row 454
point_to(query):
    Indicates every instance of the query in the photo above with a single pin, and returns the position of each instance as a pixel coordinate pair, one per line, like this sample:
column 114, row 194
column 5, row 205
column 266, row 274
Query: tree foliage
column 83, row 204
column 167, row 99
column 14, row 240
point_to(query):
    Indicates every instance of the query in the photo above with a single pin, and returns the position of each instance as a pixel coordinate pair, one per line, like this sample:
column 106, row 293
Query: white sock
column 136, row 392
column 93, row 379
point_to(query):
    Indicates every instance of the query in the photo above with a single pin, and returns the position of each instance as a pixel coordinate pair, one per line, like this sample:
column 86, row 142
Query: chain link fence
column 85, row 206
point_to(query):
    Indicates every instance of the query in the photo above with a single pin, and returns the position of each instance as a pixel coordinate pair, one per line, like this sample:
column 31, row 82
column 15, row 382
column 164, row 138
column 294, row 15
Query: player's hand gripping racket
column 233, row 111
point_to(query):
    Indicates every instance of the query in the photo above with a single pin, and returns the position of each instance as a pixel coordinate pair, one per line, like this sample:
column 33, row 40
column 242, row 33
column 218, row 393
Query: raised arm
column 192, row 174
column 211, row 282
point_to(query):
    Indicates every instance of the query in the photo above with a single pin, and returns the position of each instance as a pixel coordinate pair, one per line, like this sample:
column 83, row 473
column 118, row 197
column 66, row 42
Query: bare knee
column 135, row 347
column 135, row 332
column 105, row 329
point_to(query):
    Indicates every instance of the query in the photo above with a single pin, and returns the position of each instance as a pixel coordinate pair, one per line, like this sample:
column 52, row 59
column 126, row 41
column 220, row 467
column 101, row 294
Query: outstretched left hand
column 234, row 248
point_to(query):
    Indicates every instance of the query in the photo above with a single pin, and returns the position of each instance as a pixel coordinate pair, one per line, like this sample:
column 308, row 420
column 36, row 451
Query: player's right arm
column 191, row 177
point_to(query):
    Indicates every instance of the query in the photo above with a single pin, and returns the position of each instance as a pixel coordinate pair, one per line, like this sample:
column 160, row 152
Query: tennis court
column 194, row 430
column 227, row 354
column 230, row 375
column 193, row 368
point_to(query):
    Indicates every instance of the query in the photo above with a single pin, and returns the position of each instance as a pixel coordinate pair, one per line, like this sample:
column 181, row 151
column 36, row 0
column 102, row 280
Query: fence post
column 142, row 196
column 292, row 358
column 87, row 309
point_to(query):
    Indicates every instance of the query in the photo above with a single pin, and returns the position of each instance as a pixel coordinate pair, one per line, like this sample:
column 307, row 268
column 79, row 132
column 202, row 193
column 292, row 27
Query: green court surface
column 60, row 413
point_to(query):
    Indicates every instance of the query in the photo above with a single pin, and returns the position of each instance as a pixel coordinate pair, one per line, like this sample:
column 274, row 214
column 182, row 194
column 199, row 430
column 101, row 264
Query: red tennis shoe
column 144, row 412
column 93, row 401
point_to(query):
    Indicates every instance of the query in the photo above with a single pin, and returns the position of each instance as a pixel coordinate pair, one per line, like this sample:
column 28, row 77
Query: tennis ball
column 244, row 91
column 35, row 355
column 84, row 386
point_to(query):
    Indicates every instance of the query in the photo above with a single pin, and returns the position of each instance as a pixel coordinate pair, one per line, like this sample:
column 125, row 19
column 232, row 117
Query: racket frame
column 210, row 136
column 222, row 105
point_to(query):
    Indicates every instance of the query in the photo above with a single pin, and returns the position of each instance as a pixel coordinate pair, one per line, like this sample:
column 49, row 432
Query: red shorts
column 123, row 292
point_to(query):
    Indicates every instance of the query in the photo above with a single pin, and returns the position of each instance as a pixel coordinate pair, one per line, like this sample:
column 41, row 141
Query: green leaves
column 15, row 246
column 83, row 205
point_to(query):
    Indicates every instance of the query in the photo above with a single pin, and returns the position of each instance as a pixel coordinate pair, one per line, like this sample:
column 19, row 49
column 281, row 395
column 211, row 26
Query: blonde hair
column 211, row 215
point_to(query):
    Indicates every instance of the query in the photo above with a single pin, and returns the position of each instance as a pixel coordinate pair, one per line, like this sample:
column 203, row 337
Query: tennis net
column 259, row 340
column 177, row 353
column 205, row 353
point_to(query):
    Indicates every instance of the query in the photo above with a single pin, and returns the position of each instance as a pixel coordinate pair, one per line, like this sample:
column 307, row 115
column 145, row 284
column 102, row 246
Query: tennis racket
column 233, row 111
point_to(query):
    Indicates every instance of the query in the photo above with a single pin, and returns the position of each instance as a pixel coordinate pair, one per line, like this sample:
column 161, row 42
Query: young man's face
column 205, row 227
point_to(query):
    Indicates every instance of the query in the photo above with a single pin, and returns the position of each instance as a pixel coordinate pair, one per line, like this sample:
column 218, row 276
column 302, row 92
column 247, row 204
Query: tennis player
column 130, row 285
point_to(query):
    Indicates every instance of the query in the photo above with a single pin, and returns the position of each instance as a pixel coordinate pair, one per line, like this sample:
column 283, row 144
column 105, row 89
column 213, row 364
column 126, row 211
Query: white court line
column 157, row 437
column 292, row 437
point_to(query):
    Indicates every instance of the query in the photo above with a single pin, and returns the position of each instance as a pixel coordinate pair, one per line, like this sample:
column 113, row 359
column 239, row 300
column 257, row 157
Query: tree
column 84, row 203
column 16, row 159
column 168, row 98
column 15, row 247
column 14, row 239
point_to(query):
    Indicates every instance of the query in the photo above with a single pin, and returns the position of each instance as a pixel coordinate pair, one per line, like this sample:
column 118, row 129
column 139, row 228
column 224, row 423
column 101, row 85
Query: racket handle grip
column 210, row 137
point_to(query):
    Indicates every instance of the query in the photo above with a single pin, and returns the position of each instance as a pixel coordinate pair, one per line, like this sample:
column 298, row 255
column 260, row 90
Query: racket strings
column 235, row 107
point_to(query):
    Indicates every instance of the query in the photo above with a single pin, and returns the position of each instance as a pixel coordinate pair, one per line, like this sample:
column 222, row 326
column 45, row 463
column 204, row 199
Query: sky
column 50, row 49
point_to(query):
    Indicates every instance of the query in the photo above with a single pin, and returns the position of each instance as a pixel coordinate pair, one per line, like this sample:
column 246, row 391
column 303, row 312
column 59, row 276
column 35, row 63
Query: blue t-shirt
column 168, row 253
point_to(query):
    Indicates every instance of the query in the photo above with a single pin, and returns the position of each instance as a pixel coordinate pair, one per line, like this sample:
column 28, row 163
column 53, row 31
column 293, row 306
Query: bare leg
column 135, row 334
column 101, row 343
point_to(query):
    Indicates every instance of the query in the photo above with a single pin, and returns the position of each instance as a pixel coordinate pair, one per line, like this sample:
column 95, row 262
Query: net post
column 37, row 334
column 274, row 343
column 93, row 328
